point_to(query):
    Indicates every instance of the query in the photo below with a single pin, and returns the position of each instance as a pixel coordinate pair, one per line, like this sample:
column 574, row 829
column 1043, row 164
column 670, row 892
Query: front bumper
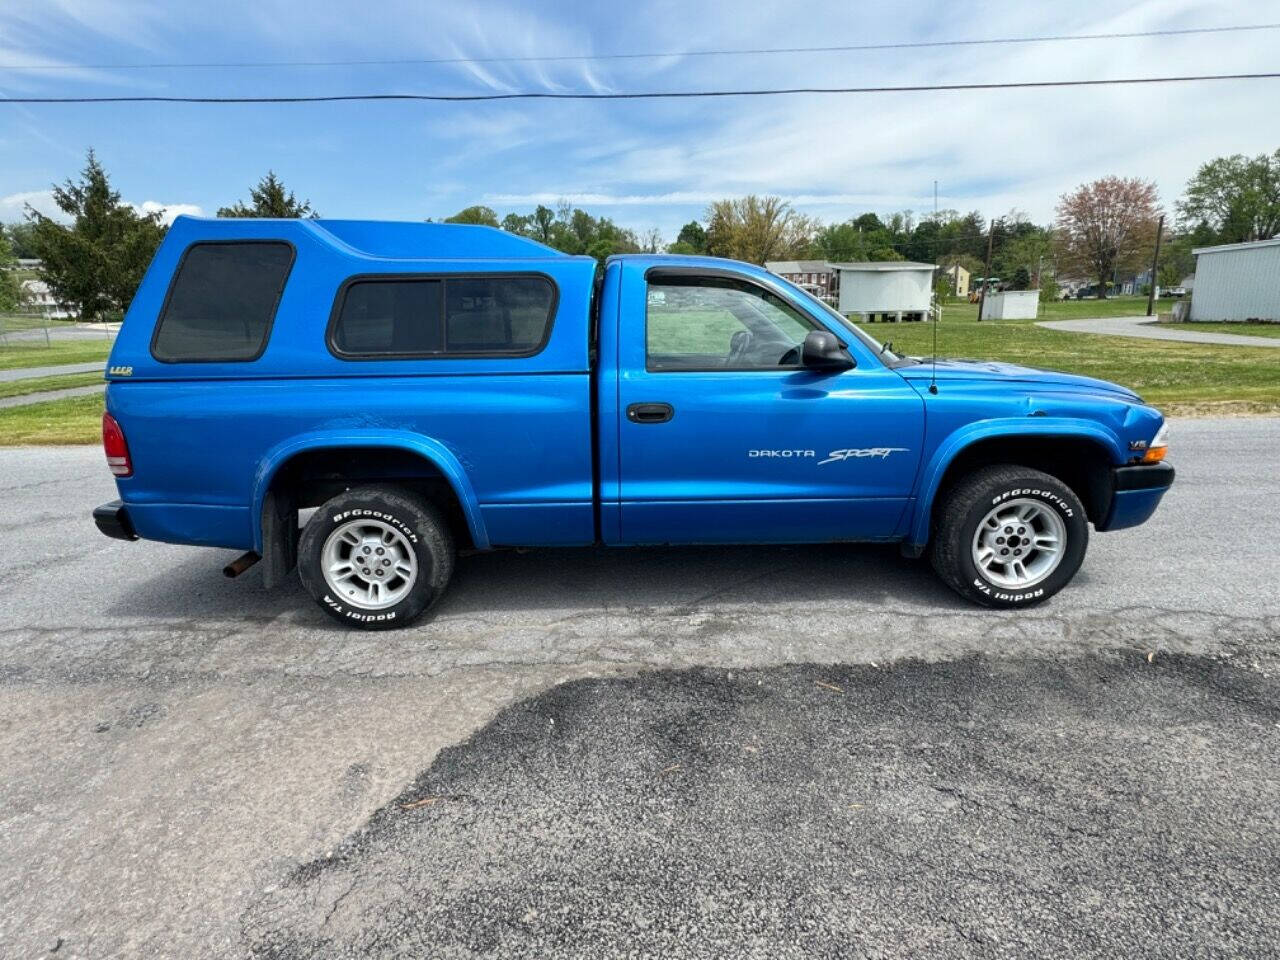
column 113, row 520
column 1135, row 493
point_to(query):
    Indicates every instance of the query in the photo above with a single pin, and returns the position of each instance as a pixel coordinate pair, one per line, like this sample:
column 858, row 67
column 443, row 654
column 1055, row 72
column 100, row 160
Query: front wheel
column 1009, row 536
column 375, row 557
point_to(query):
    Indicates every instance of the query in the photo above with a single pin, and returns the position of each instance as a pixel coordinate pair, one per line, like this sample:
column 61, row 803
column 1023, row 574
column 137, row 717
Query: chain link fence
column 35, row 327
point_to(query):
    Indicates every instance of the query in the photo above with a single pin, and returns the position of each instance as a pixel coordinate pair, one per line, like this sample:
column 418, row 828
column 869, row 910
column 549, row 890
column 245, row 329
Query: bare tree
column 651, row 240
column 757, row 229
column 1106, row 225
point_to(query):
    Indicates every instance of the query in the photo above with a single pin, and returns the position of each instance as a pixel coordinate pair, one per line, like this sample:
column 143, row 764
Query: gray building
column 816, row 276
column 1237, row 282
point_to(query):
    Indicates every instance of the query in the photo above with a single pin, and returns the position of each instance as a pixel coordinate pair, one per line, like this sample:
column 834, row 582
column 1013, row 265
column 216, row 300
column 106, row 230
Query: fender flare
column 1009, row 428
column 430, row 450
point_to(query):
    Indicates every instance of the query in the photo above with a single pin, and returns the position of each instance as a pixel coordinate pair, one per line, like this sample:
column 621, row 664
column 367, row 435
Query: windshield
column 824, row 308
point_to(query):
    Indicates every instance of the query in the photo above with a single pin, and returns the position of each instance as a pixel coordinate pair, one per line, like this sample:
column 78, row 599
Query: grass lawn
column 18, row 388
column 1182, row 378
column 1244, row 329
column 27, row 354
column 1067, row 309
column 74, row 420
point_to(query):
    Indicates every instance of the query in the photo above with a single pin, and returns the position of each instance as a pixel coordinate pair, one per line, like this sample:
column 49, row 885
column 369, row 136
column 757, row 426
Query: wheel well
column 1081, row 464
column 311, row 477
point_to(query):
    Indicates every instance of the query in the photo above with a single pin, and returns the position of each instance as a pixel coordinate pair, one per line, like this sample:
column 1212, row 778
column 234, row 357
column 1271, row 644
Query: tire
column 970, row 561
column 403, row 539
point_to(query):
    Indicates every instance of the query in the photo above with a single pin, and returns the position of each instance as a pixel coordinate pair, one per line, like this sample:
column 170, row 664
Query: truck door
column 724, row 437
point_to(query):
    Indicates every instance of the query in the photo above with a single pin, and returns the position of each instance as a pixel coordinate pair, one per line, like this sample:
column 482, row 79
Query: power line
column 581, row 57
column 645, row 95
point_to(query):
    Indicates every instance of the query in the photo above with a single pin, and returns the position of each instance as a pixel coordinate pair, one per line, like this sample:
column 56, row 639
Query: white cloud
column 14, row 206
column 169, row 211
column 681, row 197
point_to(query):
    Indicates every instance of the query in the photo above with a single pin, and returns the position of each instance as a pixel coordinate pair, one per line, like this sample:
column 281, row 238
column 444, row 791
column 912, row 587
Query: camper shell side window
column 222, row 301
column 442, row 316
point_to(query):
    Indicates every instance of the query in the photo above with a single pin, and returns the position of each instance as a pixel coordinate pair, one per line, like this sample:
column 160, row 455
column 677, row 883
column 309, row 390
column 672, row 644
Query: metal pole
column 1155, row 260
column 986, row 270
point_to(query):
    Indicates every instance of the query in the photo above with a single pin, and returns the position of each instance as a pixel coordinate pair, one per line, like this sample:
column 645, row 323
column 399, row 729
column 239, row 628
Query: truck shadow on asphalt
column 510, row 581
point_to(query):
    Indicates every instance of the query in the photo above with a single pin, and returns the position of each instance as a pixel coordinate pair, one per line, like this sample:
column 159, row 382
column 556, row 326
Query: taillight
column 116, row 449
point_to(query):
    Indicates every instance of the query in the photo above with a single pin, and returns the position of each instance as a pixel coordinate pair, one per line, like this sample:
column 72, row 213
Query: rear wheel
column 1009, row 536
column 376, row 557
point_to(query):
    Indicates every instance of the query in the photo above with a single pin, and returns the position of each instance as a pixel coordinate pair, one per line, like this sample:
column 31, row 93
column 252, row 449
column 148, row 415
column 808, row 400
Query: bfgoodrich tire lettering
column 416, row 536
column 956, row 536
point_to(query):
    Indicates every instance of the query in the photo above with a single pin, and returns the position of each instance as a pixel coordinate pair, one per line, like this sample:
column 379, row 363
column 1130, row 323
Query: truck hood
column 990, row 371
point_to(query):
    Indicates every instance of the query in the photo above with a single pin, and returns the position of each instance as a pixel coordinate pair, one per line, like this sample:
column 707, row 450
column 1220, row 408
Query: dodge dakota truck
column 358, row 400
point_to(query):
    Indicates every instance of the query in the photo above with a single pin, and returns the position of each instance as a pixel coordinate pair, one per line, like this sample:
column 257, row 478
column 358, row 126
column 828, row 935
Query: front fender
column 1007, row 428
column 431, row 450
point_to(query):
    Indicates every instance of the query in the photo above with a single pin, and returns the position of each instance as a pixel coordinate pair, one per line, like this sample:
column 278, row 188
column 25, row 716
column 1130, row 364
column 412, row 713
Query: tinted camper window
column 473, row 316
column 222, row 302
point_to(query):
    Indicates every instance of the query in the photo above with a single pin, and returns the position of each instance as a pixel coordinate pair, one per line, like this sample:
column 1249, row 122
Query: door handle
column 650, row 412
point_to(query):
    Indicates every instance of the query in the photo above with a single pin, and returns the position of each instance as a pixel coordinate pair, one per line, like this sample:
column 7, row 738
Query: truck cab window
column 715, row 323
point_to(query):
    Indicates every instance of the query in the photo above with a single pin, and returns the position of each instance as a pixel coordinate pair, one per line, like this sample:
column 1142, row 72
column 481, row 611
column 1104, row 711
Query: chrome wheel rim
column 1019, row 543
column 369, row 564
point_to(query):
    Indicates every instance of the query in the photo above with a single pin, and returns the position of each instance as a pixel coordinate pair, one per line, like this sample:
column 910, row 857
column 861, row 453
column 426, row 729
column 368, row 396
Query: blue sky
column 646, row 164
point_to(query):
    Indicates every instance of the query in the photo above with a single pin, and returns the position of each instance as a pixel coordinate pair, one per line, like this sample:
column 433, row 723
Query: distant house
column 959, row 278
column 36, row 294
column 816, row 276
column 1237, row 281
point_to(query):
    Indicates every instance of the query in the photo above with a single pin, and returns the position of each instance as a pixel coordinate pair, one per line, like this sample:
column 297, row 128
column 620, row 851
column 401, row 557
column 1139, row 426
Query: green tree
column 514, row 223
column 757, row 229
column 925, row 241
column 1176, row 258
column 10, row 291
column 20, row 240
column 270, row 199
column 841, row 243
column 541, row 224
column 1237, row 196
column 692, row 238
column 97, row 262
column 1029, row 250
column 482, row 216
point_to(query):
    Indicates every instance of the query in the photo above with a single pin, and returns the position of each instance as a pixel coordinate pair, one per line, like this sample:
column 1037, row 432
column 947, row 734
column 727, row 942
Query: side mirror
column 822, row 351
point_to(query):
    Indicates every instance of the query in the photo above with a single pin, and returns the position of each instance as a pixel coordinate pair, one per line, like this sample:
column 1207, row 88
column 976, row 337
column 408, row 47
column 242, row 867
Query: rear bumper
column 1136, row 492
column 113, row 520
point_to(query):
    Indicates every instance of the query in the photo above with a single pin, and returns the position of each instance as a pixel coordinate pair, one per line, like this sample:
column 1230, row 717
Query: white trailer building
column 1011, row 305
column 893, row 289
column 1237, row 282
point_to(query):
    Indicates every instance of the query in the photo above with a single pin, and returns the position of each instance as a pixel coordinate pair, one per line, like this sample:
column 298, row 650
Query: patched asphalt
column 1103, row 806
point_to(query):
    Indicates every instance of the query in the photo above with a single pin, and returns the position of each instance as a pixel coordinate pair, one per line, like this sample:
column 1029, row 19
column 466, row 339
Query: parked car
column 428, row 386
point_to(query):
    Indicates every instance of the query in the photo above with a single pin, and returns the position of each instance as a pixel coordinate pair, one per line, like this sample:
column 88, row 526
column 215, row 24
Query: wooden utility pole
column 1155, row 262
column 986, row 270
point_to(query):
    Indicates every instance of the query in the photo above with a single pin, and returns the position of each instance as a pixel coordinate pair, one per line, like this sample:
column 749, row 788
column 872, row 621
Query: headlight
column 1159, row 446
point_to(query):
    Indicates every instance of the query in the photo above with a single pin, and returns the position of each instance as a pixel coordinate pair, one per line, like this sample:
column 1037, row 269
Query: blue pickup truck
column 409, row 389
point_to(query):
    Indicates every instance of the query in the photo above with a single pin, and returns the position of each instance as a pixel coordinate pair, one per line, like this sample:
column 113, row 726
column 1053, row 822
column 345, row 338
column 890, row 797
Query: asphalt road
column 177, row 744
column 1145, row 328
